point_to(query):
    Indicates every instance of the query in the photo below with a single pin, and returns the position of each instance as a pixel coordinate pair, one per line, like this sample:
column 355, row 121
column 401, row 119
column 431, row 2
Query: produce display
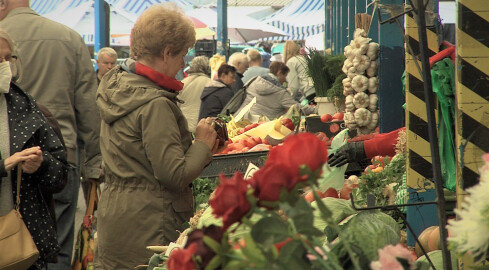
column 361, row 84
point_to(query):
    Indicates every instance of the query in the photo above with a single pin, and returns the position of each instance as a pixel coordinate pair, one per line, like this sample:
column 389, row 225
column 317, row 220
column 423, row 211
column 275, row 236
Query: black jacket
column 28, row 128
column 214, row 97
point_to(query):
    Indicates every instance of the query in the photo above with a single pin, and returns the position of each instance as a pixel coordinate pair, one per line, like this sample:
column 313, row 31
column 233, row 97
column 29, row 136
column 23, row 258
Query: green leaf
column 302, row 216
column 253, row 252
column 292, row 256
column 270, row 229
column 214, row 263
column 213, row 244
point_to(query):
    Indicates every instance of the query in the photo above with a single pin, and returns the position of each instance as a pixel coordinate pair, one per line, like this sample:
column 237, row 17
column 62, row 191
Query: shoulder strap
column 92, row 197
column 19, row 178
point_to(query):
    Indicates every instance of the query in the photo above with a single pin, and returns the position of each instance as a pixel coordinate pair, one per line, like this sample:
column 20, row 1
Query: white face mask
column 5, row 77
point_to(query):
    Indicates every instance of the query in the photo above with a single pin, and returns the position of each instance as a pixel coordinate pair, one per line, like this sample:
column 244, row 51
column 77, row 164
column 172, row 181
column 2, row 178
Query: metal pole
column 222, row 27
column 100, row 25
column 432, row 133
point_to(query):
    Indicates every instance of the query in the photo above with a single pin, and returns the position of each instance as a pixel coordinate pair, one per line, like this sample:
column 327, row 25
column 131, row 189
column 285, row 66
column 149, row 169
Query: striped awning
column 135, row 7
column 299, row 19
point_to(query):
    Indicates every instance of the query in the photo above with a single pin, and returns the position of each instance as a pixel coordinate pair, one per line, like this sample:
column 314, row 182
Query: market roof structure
column 299, row 19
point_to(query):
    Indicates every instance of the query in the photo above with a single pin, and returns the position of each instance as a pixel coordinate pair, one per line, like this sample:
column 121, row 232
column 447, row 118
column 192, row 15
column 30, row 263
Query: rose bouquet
column 276, row 223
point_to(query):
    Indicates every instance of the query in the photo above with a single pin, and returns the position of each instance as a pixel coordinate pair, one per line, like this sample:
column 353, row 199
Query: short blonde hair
column 254, row 55
column 161, row 26
column 236, row 58
column 291, row 49
column 106, row 51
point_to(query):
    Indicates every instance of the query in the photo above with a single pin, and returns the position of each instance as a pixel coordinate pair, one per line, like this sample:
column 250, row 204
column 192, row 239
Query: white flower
column 470, row 232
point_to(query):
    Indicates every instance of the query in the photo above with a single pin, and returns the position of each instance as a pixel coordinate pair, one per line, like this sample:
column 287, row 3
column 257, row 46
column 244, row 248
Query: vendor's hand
column 32, row 154
column 348, row 153
column 205, row 132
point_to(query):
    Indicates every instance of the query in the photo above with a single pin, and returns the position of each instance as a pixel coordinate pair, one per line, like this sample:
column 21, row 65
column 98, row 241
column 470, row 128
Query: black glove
column 349, row 152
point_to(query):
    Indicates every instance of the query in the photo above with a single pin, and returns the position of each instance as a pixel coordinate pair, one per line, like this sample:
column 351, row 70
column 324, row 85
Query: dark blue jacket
column 214, row 97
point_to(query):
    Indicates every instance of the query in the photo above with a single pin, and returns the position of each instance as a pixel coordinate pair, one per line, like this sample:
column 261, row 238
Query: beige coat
column 192, row 90
column 149, row 162
column 58, row 73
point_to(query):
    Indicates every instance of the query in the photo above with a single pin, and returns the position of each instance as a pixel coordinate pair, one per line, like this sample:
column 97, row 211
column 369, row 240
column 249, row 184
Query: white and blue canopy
column 299, row 19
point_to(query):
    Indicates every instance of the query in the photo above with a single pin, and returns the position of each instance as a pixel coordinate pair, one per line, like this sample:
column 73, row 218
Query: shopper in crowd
column 59, row 74
column 217, row 93
column 300, row 85
column 148, row 154
column 239, row 61
column 255, row 65
column 193, row 85
column 28, row 139
column 272, row 99
column 106, row 60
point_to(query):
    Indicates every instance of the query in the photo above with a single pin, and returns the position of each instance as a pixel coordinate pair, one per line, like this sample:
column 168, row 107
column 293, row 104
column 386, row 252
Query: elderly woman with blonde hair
column 300, row 85
column 149, row 157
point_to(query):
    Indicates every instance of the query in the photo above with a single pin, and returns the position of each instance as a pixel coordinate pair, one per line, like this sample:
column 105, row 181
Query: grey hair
column 237, row 57
column 106, row 51
column 17, row 67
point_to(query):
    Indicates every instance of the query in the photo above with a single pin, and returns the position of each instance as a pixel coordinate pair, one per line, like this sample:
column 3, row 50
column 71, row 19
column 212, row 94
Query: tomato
column 334, row 128
column 288, row 123
column 310, row 196
column 322, row 136
column 257, row 139
column 330, row 192
column 338, row 116
column 326, row 118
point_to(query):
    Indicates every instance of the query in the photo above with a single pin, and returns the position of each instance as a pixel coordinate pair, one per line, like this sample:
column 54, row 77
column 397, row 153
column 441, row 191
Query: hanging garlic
column 349, row 118
column 373, row 123
column 362, row 117
column 373, row 50
column 348, row 91
column 361, row 62
column 361, row 100
column 371, row 71
column 373, row 85
column 352, row 72
column 359, row 45
column 347, row 65
column 359, row 32
column 363, row 131
column 373, row 101
column 346, row 82
column 349, row 106
column 347, row 51
column 359, row 83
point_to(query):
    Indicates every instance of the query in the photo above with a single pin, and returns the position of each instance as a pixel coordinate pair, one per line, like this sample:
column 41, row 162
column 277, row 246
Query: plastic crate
column 229, row 164
column 314, row 124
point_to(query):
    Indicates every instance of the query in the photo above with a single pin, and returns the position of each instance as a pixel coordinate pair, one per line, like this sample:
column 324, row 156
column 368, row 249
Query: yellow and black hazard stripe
column 472, row 84
column 419, row 163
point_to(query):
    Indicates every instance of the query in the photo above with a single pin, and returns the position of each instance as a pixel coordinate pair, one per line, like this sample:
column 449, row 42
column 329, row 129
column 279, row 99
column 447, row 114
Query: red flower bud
column 181, row 259
column 230, row 201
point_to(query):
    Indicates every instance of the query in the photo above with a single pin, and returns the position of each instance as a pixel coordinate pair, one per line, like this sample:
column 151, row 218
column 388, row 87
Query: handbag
column 17, row 248
column 85, row 242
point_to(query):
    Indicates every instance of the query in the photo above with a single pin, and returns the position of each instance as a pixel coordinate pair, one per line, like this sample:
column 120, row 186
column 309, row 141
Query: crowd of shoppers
column 137, row 107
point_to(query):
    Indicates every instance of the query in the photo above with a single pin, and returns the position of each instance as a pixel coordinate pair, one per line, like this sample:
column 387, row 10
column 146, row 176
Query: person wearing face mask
column 29, row 140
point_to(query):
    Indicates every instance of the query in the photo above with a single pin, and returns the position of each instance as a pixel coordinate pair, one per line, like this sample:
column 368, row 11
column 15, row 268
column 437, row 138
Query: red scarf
column 158, row 77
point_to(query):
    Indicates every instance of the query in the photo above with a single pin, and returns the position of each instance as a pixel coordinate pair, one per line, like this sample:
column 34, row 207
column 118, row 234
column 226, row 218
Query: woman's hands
column 206, row 133
column 31, row 159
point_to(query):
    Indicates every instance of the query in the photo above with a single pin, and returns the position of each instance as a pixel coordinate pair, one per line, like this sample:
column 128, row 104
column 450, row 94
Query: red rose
column 230, row 201
column 181, row 259
column 270, row 179
column 197, row 237
column 300, row 149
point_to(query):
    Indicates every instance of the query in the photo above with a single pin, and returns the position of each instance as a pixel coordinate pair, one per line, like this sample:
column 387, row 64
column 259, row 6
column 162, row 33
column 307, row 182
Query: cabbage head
column 369, row 231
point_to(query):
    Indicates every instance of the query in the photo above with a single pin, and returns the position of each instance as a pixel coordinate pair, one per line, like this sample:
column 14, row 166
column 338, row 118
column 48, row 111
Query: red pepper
column 287, row 122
